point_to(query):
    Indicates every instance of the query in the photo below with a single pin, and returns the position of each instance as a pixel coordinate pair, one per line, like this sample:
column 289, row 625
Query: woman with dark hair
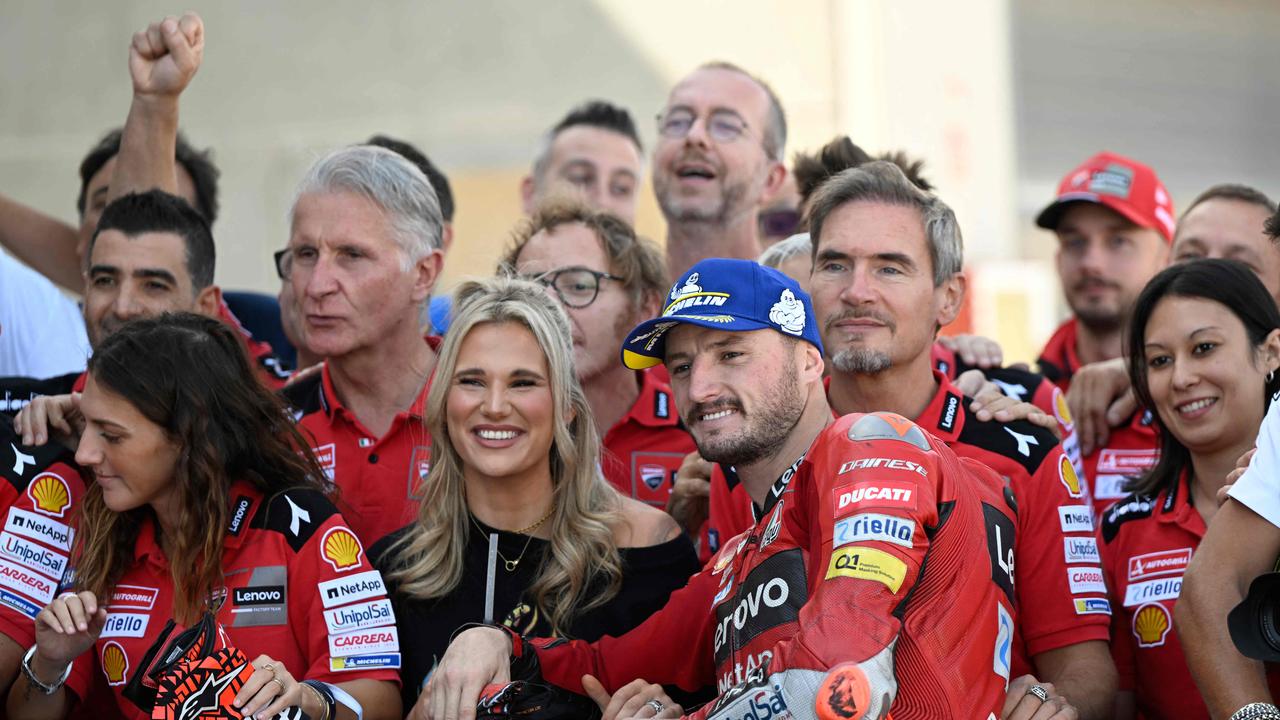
column 206, row 501
column 1203, row 347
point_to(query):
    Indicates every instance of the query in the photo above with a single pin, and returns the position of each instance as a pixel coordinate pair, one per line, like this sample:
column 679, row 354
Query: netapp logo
column 347, row 590
column 30, row 525
column 270, row 595
column 771, row 595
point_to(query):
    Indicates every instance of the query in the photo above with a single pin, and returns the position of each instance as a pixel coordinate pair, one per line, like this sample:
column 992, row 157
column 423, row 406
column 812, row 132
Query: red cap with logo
column 1120, row 183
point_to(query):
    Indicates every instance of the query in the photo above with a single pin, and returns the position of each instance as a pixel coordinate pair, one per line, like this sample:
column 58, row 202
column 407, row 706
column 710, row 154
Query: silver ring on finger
column 1039, row 692
column 657, row 706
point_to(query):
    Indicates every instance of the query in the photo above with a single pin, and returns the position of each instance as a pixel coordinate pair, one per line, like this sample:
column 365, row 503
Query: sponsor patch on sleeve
column 1075, row 518
column 866, row 563
column 1092, row 606
column 27, row 582
column 19, row 603
column 873, row 526
column 49, row 494
column 364, row 662
column 32, row 555
column 1080, row 550
column 875, row 493
column 368, row 641
column 341, row 549
column 353, row 588
column 1086, row 580
column 1070, row 480
column 38, row 527
column 356, row 617
column 1151, row 623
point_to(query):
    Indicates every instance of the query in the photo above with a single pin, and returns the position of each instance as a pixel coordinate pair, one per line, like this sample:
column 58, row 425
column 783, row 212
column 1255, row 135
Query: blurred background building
column 999, row 97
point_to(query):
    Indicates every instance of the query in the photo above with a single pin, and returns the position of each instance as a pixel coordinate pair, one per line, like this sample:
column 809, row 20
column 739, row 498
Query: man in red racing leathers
column 824, row 608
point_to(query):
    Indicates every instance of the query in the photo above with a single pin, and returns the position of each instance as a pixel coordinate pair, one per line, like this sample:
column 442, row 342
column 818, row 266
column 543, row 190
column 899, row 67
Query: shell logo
column 1061, row 410
column 341, row 549
column 1151, row 624
column 115, row 663
column 50, row 494
column 1067, row 473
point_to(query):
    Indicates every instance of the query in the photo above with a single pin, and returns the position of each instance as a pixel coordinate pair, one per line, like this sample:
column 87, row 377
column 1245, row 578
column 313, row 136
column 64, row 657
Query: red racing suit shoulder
column 833, row 575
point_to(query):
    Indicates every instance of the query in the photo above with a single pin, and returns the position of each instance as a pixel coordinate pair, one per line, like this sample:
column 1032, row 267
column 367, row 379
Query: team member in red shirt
column 886, row 275
column 363, row 255
column 1114, row 222
column 1204, row 350
column 41, row 494
column 806, row 613
column 202, row 503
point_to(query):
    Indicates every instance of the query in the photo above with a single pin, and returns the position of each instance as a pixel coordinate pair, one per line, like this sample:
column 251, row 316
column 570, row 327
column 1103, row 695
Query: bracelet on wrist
column 328, row 706
column 42, row 686
column 1257, row 711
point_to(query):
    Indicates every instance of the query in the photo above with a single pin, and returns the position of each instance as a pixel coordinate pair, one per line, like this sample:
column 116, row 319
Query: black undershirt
column 649, row 576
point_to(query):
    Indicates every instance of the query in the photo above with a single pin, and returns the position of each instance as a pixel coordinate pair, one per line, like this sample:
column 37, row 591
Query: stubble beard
column 766, row 429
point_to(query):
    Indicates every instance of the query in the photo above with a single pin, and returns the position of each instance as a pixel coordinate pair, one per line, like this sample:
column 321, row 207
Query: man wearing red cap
column 1114, row 221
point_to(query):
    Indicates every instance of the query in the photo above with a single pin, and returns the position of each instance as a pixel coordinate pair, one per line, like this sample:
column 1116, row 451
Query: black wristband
column 331, row 704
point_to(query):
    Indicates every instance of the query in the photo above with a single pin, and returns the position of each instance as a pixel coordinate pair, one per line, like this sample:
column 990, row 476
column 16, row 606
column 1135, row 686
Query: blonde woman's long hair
column 582, row 568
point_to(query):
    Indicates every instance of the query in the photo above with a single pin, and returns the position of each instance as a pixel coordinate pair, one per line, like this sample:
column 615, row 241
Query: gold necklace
column 511, row 565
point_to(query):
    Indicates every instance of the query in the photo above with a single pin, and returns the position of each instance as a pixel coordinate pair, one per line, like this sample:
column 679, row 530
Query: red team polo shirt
column 643, row 450
column 1061, row 597
column 41, row 491
column 379, row 479
column 1146, row 545
column 298, row 588
column 1131, row 448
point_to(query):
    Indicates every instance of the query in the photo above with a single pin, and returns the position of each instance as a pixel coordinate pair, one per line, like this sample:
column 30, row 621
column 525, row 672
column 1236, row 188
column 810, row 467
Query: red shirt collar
column 1061, row 351
column 943, row 418
column 148, row 547
column 1174, row 506
column 332, row 405
column 654, row 406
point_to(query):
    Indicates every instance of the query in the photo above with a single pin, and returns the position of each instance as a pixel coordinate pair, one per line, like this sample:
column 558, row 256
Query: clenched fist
column 166, row 55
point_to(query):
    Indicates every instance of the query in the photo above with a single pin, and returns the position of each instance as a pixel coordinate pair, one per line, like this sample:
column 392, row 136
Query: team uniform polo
column 1147, row 543
column 1025, row 386
column 1131, row 450
column 40, row 494
column 643, row 450
column 298, row 589
column 1061, row 597
column 379, row 480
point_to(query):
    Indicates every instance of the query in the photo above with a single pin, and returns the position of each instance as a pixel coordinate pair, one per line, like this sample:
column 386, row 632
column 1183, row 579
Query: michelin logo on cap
column 734, row 295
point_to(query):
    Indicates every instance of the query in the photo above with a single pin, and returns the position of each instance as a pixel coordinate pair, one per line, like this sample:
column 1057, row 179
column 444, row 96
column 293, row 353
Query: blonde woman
column 518, row 526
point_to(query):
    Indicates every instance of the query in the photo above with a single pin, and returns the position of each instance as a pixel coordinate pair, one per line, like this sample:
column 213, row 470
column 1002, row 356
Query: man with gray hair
column 886, row 277
column 718, row 159
column 363, row 255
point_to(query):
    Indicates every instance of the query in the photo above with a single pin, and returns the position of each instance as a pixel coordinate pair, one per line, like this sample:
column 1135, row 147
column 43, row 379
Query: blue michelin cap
column 725, row 294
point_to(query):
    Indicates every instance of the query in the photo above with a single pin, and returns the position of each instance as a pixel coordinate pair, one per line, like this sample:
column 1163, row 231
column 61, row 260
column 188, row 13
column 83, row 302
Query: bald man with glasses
column 718, row 160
